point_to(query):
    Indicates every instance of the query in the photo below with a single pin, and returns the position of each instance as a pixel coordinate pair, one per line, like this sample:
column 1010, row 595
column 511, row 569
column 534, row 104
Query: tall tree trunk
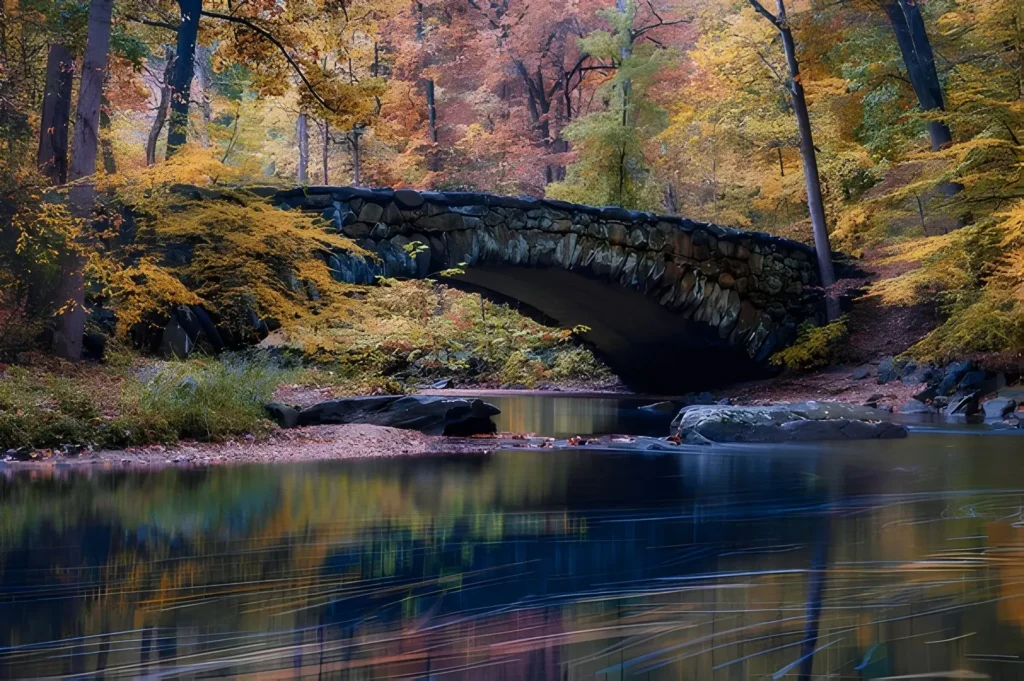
column 354, row 141
column 431, row 111
column 204, row 70
column 67, row 341
column 184, row 70
column 916, row 49
column 162, row 108
column 433, row 158
column 53, row 129
column 106, row 146
column 815, row 205
column 327, row 152
column 302, row 133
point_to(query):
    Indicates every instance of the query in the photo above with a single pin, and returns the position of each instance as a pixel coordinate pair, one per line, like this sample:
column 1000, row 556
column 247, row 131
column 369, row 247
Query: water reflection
column 561, row 416
column 852, row 562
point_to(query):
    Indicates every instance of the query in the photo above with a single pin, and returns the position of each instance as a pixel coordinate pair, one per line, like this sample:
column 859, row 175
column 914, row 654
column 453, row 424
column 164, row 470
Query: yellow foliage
column 977, row 275
column 815, row 346
column 247, row 260
column 193, row 165
column 146, row 291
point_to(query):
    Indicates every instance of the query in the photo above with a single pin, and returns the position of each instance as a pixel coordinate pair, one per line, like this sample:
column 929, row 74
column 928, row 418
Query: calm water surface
column 852, row 561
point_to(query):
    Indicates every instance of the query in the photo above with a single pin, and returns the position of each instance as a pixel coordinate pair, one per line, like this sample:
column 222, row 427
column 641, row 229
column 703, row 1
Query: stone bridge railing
column 748, row 289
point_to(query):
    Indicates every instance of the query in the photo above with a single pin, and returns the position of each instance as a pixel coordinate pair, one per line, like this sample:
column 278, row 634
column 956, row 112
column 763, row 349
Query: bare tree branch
column 759, row 8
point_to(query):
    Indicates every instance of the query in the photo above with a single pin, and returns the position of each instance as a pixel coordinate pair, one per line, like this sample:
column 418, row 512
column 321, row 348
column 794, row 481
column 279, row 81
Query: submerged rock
column 916, row 406
column 797, row 422
column 963, row 403
column 430, row 415
column 661, row 407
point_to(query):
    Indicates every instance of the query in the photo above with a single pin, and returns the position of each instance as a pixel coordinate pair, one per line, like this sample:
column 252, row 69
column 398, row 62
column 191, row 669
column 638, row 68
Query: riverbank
column 298, row 445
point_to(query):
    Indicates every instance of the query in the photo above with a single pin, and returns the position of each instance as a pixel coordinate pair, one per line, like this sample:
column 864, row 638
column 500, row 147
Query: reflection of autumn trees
column 507, row 562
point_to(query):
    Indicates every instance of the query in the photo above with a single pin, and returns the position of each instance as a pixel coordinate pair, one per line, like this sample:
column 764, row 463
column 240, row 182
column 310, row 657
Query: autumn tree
column 612, row 166
column 916, row 49
column 71, row 324
column 808, row 154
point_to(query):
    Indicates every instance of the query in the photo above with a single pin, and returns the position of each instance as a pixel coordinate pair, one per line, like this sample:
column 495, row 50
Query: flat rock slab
column 427, row 414
column 796, row 422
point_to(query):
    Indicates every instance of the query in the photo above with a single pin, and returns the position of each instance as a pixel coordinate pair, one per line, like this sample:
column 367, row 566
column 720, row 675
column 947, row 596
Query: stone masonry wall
column 750, row 289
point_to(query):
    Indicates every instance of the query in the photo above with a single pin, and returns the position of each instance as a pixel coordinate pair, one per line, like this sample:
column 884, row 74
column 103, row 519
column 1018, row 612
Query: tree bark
column 67, row 341
column 302, row 133
column 916, row 49
column 53, row 129
column 184, row 71
column 431, row 111
column 815, row 205
column 354, row 137
column 162, row 108
column 327, row 151
column 203, row 79
column 106, row 146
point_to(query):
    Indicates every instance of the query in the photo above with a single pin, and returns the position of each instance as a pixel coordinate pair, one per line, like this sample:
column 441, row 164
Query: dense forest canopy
column 703, row 108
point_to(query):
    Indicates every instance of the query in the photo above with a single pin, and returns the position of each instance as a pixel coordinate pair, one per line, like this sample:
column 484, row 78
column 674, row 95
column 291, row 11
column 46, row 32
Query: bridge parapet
column 739, row 289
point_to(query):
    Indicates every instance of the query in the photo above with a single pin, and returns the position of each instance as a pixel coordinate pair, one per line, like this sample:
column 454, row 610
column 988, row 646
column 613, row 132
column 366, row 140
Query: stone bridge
column 670, row 302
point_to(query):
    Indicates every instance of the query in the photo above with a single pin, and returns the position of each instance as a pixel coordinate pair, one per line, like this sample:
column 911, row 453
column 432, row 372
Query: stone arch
column 670, row 301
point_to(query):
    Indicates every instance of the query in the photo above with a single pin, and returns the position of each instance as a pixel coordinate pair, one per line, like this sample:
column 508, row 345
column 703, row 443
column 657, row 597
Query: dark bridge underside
column 649, row 346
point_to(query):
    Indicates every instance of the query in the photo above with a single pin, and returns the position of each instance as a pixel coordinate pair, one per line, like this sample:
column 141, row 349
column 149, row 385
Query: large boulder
column 954, row 374
column 282, row 414
column 427, row 414
column 998, row 408
column 797, row 422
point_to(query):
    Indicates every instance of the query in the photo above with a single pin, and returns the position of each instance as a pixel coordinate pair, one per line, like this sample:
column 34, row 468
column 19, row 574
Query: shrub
column 815, row 346
column 205, row 400
column 578, row 364
column 976, row 275
column 522, row 369
column 202, row 399
column 33, row 234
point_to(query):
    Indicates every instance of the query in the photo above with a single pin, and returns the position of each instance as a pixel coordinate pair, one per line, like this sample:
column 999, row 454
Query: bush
column 33, row 234
column 578, row 364
column 522, row 369
column 205, row 400
column 200, row 399
column 815, row 346
column 47, row 411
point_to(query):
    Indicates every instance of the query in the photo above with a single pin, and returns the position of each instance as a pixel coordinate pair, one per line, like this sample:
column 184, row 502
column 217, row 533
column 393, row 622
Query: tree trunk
column 302, row 132
column 53, row 129
column 815, row 205
column 327, row 150
column 184, row 70
column 354, row 137
column 161, row 108
column 106, row 146
column 67, row 341
column 431, row 111
column 916, row 49
column 203, row 70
